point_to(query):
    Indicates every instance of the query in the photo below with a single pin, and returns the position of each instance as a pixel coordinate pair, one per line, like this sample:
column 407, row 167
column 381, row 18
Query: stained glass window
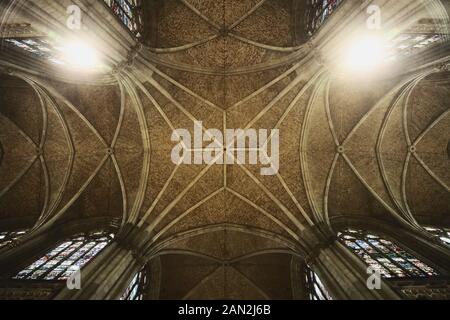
column 38, row 47
column 315, row 287
column 59, row 51
column 42, row 48
column 128, row 11
column 7, row 238
column 135, row 290
column 67, row 258
column 410, row 43
column 385, row 256
column 443, row 234
column 317, row 13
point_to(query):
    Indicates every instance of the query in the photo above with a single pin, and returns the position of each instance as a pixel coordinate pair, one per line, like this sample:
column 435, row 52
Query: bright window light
column 365, row 54
column 79, row 55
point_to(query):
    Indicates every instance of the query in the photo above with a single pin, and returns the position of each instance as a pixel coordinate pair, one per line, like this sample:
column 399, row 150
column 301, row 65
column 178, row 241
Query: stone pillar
column 154, row 277
column 343, row 274
column 298, row 279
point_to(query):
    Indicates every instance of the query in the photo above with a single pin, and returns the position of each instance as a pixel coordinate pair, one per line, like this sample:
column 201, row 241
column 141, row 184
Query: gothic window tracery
column 8, row 237
column 385, row 256
column 67, row 258
column 318, row 11
column 408, row 43
column 41, row 48
column 315, row 287
column 135, row 290
column 441, row 233
column 59, row 52
column 128, row 11
column 37, row 47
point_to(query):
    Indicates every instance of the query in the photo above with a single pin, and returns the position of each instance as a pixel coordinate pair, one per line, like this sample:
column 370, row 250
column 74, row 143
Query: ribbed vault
column 374, row 148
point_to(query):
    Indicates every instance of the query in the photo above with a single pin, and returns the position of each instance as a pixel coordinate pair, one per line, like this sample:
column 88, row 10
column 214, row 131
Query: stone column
column 298, row 279
column 154, row 277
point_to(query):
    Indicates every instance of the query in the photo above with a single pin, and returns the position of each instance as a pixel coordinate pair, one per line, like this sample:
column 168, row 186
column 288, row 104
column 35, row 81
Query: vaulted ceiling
column 349, row 147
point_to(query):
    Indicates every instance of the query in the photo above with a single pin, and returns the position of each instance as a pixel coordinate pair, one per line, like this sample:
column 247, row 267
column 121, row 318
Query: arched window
column 67, row 258
column 315, row 287
column 9, row 237
column 409, row 43
column 45, row 48
column 129, row 12
column 317, row 12
column 385, row 256
column 38, row 47
column 137, row 287
column 443, row 234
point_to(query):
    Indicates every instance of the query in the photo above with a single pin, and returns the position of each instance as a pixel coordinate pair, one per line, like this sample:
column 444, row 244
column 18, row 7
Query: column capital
column 316, row 239
column 134, row 239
